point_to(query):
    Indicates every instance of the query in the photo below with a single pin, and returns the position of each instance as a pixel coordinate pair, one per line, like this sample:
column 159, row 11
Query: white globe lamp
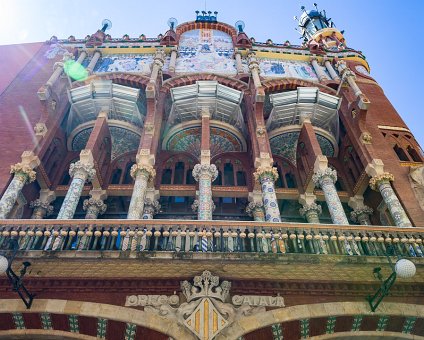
column 4, row 264
column 405, row 269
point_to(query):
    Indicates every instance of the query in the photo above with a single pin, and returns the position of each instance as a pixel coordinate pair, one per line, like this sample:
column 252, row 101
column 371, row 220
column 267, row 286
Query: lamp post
column 14, row 279
column 403, row 268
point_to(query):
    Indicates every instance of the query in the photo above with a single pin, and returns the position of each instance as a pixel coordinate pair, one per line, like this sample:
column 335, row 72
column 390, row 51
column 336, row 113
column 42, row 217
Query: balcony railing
column 209, row 236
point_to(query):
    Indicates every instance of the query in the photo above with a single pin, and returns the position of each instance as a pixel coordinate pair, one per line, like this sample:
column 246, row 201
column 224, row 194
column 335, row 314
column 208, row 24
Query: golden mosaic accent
column 25, row 171
column 375, row 181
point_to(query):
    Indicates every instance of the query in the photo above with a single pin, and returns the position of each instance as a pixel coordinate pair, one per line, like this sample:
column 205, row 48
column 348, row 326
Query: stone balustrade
column 210, row 236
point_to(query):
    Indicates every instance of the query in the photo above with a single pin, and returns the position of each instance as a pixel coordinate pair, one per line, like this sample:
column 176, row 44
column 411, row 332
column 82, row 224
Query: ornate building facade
column 202, row 185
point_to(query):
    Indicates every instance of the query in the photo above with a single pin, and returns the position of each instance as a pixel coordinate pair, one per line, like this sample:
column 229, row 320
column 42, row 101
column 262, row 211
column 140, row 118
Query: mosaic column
column 382, row 183
column 22, row 174
column 96, row 56
column 142, row 174
column 93, row 207
column 80, row 173
column 362, row 215
column 321, row 74
column 266, row 176
column 205, row 174
column 326, row 179
column 256, row 210
column 151, row 208
column 311, row 212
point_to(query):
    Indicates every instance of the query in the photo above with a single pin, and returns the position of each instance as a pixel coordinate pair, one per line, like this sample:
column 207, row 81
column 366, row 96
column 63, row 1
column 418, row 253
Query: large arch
column 192, row 78
column 275, row 85
column 125, row 79
column 100, row 310
column 42, row 334
column 254, row 322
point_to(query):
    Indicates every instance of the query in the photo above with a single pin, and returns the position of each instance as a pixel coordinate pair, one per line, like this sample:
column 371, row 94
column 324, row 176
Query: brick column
column 142, row 174
column 382, row 183
column 80, row 172
column 266, row 176
column 205, row 174
column 325, row 179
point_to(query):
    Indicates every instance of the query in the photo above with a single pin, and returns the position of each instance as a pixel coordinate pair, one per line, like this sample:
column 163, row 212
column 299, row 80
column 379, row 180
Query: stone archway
column 99, row 310
column 254, row 322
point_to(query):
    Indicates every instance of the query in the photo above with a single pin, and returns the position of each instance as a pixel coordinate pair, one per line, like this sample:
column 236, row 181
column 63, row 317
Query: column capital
column 356, row 214
column 313, row 207
column 23, row 172
column 145, row 169
column 320, row 175
column 208, row 170
column 97, row 51
column 98, row 204
column 160, row 56
column 39, row 204
column 82, row 170
column 252, row 207
column 265, row 172
column 377, row 180
column 151, row 206
column 196, row 204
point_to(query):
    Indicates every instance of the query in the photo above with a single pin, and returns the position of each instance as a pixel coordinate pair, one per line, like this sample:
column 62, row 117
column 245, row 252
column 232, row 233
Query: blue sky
column 389, row 34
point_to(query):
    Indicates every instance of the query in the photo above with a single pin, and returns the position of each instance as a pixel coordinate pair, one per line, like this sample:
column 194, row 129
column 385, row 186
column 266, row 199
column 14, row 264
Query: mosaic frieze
column 123, row 140
column 205, row 50
column 285, row 145
column 274, row 68
column 188, row 140
column 55, row 50
column 139, row 63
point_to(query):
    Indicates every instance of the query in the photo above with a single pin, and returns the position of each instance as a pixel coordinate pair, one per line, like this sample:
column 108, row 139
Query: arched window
column 241, row 178
column 128, row 179
column 116, row 176
column 228, row 174
column 179, row 173
column 400, row 153
column 166, row 176
column 413, row 153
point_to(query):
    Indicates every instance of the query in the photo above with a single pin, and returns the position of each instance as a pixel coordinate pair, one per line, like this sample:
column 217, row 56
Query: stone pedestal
column 205, row 174
column 22, row 174
column 266, row 176
column 80, row 173
column 325, row 179
column 382, row 183
column 142, row 174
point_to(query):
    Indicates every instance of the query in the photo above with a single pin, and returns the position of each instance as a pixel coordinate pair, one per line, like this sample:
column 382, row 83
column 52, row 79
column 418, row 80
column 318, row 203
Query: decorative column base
column 267, row 175
column 205, row 174
column 382, row 183
column 326, row 179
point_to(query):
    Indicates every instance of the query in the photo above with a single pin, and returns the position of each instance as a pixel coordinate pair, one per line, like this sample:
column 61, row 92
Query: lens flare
column 75, row 70
column 28, row 124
